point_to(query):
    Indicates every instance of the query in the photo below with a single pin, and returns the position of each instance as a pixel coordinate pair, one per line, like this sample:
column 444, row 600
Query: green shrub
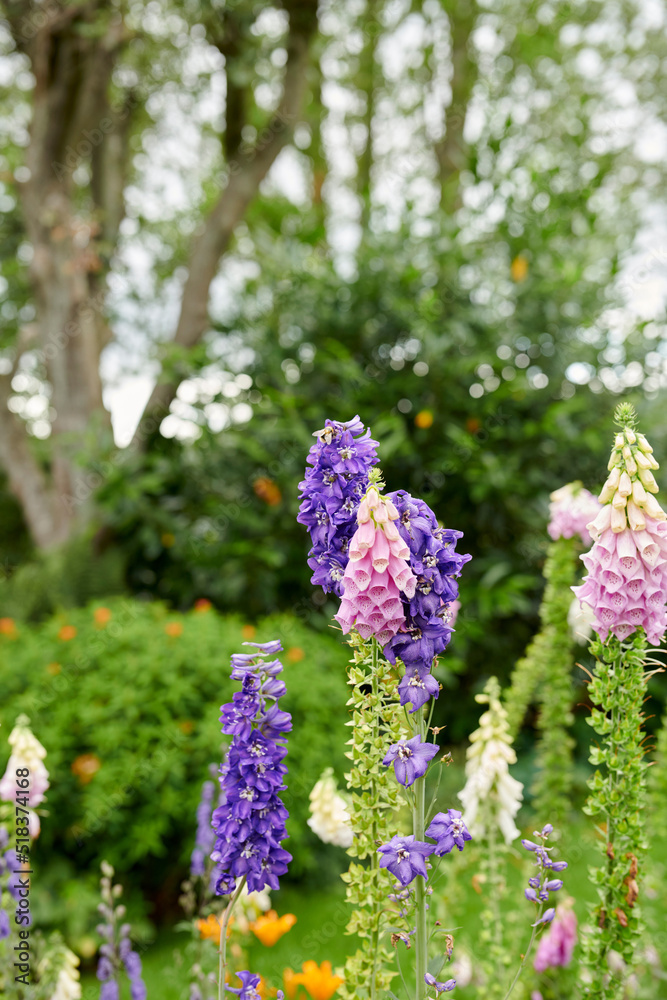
column 128, row 710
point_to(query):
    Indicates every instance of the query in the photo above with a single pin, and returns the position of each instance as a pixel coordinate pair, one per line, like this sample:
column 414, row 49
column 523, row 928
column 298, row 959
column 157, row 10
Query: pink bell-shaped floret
column 378, row 571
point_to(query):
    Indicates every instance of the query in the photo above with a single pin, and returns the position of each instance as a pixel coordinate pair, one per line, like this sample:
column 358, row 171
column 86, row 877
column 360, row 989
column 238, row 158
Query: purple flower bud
column 546, row 917
column 554, row 884
column 546, row 830
column 530, row 895
column 559, row 866
column 529, row 845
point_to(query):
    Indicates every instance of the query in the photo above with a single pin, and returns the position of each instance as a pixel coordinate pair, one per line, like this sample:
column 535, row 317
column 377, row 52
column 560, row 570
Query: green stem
column 375, row 859
column 524, row 958
column 222, row 968
column 494, row 890
column 418, row 824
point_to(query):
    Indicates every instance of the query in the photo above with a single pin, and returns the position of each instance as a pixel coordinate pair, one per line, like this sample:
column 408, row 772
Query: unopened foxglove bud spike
column 626, row 585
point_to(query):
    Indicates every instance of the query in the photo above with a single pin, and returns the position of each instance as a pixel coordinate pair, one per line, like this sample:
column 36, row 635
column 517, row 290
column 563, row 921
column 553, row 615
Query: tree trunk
column 451, row 151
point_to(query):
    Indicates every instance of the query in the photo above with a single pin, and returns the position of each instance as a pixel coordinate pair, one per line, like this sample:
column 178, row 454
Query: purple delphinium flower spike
column 410, row 759
column 541, row 884
column 249, row 822
column 405, row 858
column 449, row 831
column 341, row 461
column 445, row 987
column 116, row 951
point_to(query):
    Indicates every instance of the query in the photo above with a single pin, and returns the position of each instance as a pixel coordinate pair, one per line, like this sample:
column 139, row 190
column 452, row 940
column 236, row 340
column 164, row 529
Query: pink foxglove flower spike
column 626, row 584
column 377, row 573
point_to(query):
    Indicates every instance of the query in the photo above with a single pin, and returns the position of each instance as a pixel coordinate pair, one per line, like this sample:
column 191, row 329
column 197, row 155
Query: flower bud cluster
column 116, row 953
column 542, row 884
column 630, row 486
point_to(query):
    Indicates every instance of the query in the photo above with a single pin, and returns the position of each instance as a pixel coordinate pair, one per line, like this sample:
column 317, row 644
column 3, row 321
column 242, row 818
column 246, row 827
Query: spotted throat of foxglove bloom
column 340, row 462
column 410, row 759
column 26, row 752
column 626, row 585
column 491, row 796
column 431, row 610
column 542, row 884
column 571, row 509
column 377, row 572
column 250, row 824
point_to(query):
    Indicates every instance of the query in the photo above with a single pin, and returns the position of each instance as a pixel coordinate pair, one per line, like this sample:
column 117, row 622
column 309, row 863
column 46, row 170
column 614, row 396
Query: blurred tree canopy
column 438, row 215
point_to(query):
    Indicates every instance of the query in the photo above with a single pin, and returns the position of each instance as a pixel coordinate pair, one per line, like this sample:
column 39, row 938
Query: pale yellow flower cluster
column 628, row 491
column 491, row 797
column 329, row 815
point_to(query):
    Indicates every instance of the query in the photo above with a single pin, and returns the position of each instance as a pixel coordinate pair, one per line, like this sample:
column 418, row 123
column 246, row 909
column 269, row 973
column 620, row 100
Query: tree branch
column 451, row 151
column 246, row 172
column 44, row 515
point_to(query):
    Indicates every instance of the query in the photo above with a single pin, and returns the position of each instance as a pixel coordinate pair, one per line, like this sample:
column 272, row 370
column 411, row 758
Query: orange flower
column 67, row 632
column 424, row 420
column 174, row 629
column 86, row 767
column 519, row 268
column 269, row 928
column 209, row 929
column 295, row 654
column 102, row 616
column 248, row 631
column 203, row 605
column 7, row 627
column 319, row 981
column 268, row 491
column 291, row 983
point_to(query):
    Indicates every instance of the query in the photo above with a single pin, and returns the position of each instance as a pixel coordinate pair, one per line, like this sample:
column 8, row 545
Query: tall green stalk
column 377, row 721
column 618, row 794
column 418, row 827
column 544, row 676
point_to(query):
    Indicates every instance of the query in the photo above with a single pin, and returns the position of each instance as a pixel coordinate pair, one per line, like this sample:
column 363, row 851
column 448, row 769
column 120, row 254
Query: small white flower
column 491, row 797
column 330, row 818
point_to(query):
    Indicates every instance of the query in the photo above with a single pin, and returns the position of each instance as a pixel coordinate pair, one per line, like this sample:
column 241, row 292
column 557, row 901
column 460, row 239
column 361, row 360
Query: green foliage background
column 145, row 704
